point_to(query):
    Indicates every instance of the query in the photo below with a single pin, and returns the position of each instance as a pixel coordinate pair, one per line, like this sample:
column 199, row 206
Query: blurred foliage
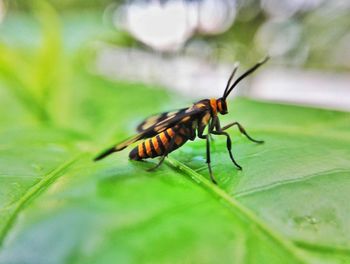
column 305, row 38
column 64, row 5
column 289, row 205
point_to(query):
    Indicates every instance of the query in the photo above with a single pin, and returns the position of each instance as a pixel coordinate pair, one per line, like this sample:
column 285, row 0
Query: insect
column 165, row 132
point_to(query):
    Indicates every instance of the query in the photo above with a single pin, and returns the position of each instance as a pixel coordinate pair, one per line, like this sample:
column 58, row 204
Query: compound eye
column 223, row 107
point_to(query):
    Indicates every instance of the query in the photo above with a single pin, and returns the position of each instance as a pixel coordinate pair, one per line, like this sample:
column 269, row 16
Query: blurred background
column 188, row 47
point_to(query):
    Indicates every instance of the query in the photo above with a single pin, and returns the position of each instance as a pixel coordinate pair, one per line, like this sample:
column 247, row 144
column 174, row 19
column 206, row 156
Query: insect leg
column 206, row 137
column 211, row 127
column 228, row 145
column 171, row 145
column 159, row 163
column 243, row 131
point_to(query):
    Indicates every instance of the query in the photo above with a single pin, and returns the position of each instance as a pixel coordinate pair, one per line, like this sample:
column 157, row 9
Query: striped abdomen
column 160, row 144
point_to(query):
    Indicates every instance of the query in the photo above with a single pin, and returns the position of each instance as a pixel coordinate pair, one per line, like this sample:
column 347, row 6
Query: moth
column 163, row 133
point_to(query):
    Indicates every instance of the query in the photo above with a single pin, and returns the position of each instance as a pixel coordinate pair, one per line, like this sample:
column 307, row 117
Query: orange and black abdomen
column 160, row 144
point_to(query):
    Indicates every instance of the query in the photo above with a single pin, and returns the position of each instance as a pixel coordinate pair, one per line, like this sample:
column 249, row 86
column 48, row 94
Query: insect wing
column 164, row 121
column 152, row 121
column 180, row 116
column 118, row 147
column 154, row 129
column 150, row 127
column 124, row 144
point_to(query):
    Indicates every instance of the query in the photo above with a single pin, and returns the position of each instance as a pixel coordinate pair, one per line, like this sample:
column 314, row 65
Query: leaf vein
column 234, row 205
column 32, row 192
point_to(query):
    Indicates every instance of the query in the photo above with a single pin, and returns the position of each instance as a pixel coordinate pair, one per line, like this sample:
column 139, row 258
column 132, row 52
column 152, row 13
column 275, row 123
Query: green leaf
column 288, row 205
column 65, row 208
column 298, row 181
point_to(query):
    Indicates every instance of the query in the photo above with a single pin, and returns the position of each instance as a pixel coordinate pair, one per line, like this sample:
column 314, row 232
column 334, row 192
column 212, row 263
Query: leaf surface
column 288, row 205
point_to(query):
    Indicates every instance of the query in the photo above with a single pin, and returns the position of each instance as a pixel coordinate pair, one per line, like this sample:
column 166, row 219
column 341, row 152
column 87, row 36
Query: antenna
column 251, row 70
column 231, row 76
